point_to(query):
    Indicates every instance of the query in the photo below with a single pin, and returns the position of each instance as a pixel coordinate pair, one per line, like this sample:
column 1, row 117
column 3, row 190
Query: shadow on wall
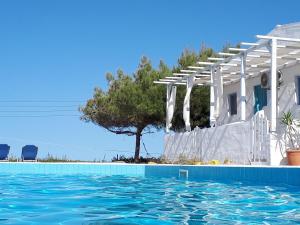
column 228, row 142
column 286, row 98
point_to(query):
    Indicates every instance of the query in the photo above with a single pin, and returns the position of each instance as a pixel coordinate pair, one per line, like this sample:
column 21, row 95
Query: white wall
column 287, row 96
column 238, row 142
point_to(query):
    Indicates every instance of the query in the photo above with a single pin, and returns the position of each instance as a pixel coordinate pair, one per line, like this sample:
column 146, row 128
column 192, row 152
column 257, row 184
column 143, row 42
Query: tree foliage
column 133, row 105
column 200, row 94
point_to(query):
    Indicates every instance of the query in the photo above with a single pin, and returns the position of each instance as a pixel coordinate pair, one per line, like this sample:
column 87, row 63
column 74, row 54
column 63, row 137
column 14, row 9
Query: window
column 232, row 101
column 298, row 89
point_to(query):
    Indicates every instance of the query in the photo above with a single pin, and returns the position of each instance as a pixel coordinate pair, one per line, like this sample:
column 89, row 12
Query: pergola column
column 243, row 87
column 212, row 118
column 273, row 111
column 170, row 105
column 186, row 103
column 218, row 79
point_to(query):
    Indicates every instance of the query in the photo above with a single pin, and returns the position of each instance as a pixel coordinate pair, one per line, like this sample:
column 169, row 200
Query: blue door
column 260, row 98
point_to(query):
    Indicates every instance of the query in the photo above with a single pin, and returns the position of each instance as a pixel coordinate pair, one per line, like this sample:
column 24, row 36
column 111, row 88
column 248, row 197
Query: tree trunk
column 137, row 145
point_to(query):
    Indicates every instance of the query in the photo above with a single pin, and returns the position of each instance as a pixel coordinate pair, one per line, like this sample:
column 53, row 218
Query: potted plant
column 293, row 153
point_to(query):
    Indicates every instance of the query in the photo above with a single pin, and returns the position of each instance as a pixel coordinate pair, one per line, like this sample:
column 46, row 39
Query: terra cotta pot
column 293, row 156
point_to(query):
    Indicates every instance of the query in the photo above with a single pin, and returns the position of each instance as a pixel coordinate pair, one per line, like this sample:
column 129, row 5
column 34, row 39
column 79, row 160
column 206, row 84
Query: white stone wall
column 234, row 142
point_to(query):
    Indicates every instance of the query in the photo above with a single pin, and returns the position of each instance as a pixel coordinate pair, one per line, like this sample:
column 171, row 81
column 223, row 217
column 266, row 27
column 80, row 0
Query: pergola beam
column 277, row 38
column 237, row 49
column 188, row 71
column 215, row 59
column 168, row 80
column 249, row 44
column 205, row 63
column 202, row 75
column 196, row 67
column 278, row 46
column 175, row 78
column 226, row 54
column 161, row 82
column 181, row 74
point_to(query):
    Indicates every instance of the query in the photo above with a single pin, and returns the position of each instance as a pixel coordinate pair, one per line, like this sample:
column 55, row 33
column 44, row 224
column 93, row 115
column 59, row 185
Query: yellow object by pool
column 214, row 162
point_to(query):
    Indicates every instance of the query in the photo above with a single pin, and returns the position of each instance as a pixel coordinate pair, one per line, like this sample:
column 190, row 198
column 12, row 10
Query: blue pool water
column 115, row 200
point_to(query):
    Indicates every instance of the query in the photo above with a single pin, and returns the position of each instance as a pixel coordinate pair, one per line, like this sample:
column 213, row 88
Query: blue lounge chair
column 29, row 153
column 4, row 150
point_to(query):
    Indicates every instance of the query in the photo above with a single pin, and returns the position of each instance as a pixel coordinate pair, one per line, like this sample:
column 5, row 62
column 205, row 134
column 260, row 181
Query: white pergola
column 269, row 53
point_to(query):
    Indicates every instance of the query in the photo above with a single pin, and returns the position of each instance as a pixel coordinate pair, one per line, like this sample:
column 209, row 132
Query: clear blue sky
column 57, row 51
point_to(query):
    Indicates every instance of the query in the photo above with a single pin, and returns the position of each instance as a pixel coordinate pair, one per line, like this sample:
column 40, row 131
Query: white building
column 249, row 91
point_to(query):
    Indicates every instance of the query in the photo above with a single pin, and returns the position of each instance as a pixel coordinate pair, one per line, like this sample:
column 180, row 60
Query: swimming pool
column 119, row 199
column 91, row 193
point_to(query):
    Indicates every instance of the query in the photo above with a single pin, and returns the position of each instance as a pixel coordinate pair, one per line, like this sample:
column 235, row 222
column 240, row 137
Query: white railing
column 240, row 143
column 259, row 125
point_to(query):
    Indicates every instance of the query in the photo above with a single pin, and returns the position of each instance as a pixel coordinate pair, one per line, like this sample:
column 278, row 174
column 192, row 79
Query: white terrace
column 254, row 137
